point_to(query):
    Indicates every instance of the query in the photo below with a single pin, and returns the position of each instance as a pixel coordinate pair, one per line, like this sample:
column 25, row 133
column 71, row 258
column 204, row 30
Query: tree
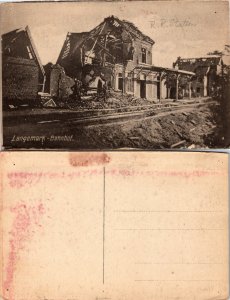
column 216, row 52
column 222, row 92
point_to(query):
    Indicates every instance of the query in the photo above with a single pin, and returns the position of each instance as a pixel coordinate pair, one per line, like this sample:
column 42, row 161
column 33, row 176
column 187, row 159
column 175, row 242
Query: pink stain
column 18, row 180
column 88, row 159
column 21, row 179
column 26, row 217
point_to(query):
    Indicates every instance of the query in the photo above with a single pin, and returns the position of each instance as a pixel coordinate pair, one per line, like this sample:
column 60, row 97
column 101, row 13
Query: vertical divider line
column 103, row 275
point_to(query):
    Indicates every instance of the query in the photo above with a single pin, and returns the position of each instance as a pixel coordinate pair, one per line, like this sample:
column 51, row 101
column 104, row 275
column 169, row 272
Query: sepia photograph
column 135, row 75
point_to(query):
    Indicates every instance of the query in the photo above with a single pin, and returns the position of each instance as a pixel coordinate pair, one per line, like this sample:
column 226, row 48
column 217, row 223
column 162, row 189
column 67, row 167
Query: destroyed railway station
column 123, row 54
column 116, row 52
column 109, row 67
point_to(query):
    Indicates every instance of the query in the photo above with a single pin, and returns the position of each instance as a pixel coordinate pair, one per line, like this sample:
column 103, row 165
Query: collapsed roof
column 198, row 64
column 133, row 30
column 110, row 42
column 19, row 43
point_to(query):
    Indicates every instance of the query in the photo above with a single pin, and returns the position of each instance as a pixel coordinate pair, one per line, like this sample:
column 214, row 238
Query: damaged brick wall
column 60, row 83
column 137, row 58
column 20, row 79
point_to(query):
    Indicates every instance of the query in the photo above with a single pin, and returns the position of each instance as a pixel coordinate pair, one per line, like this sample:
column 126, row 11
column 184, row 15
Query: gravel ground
column 196, row 129
column 188, row 128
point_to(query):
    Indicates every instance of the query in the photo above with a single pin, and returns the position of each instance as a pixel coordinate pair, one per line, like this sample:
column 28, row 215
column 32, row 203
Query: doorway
column 158, row 90
column 143, row 88
column 173, row 93
column 120, row 84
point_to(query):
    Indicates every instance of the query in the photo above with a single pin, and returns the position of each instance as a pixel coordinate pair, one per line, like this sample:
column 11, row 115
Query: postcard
column 115, row 75
column 112, row 225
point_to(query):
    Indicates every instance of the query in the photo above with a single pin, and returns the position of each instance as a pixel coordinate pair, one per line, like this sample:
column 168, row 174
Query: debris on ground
column 113, row 99
column 178, row 144
column 169, row 131
column 155, row 131
column 11, row 106
column 50, row 103
column 193, row 146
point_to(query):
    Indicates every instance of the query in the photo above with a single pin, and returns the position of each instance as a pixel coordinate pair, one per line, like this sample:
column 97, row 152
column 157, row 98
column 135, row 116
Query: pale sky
column 179, row 28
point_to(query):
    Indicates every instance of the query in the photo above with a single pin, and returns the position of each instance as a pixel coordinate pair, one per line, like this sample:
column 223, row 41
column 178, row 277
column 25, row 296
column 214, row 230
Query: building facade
column 120, row 51
column 23, row 75
column 206, row 70
column 123, row 54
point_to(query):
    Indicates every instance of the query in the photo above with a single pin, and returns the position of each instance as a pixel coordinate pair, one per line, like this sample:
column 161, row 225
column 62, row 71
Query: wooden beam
column 178, row 144
column 139, row 72
column 189, row 89
column 177, row 85
column 105, row 49
column 91, row 51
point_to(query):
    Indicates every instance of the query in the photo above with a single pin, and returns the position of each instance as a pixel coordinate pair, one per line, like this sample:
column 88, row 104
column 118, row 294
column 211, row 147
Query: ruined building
column 23, row 75
column 206, row 70
column 122, row 53
column 115, row 52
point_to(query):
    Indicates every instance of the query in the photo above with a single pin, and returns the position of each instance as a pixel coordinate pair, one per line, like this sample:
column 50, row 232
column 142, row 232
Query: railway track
column 126, row 116
column 84, row 127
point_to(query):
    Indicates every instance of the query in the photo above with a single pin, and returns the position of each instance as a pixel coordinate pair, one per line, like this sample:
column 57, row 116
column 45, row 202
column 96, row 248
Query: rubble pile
column 194, row 129
column 126, row 99
column 112, row 100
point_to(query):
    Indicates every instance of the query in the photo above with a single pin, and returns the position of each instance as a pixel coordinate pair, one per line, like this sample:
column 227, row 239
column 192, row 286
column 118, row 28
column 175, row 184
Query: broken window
column 115, row 23
column 131, row 53
column 143, row 55
column 29, row 52
column 7, row 50
column 66, row 50
column 89, row 56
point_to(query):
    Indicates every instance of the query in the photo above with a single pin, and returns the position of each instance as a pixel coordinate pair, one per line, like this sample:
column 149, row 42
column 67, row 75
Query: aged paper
column 119, row 226
column 105, row 75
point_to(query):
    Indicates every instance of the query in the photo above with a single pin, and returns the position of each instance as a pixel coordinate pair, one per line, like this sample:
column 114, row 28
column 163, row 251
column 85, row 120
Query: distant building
column 23, row 75
column 206, row 70
column 120, row 51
